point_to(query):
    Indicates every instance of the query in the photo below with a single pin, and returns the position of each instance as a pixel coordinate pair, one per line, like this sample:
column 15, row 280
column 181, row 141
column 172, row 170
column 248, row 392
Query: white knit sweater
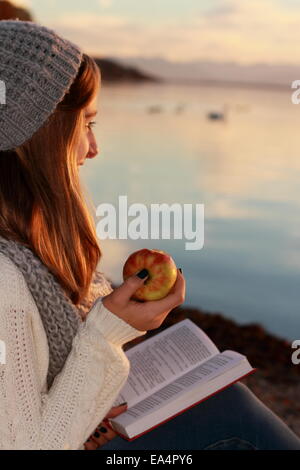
column 82, row 393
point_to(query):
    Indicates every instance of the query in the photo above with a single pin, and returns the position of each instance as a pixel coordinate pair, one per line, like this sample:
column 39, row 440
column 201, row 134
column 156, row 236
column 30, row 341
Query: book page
column 160, row 359
column 200, row 375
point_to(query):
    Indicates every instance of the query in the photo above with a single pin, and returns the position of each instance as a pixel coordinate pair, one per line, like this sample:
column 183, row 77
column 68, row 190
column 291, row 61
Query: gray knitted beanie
column 37, row 68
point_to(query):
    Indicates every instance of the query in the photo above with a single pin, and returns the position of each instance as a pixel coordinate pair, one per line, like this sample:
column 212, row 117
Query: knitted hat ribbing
column 37, row 68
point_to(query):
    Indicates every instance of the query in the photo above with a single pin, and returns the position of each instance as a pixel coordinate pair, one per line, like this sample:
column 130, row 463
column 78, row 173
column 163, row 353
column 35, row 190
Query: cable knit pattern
column 60, row 317
column 95, row 370
column 38, row 67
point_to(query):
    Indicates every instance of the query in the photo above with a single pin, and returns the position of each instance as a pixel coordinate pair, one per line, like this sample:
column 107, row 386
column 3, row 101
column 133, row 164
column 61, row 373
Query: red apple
column 162, row 273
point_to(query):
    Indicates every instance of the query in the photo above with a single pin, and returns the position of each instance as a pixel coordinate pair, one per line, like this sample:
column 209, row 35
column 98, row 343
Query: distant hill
column 112, row 71
column 277, row 75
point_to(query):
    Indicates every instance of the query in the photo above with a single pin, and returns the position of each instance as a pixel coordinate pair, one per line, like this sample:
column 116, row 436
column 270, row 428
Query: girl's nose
column 92, row 153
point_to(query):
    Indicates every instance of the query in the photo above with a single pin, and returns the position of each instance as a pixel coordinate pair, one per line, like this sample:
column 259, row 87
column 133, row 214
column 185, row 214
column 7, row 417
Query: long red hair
column 42, row 203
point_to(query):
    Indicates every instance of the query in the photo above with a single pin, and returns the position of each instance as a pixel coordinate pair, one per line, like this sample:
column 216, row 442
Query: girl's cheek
column 83, row 148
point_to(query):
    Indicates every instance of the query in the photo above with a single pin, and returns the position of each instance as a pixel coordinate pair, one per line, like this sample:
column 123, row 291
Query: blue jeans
column 230, row 420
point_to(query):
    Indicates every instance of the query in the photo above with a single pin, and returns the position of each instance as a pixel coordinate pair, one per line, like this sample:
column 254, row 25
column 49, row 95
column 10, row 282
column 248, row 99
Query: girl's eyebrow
column 91, row 114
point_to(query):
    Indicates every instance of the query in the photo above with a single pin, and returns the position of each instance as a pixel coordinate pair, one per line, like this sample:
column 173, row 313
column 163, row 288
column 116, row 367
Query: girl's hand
column 147, row 315
column 94, row 442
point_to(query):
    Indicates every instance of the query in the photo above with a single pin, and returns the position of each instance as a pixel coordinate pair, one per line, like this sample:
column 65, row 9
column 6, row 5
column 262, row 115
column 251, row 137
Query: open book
column 171, row 372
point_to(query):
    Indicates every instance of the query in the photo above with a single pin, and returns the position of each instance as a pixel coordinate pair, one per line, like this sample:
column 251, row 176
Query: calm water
column 246, row 173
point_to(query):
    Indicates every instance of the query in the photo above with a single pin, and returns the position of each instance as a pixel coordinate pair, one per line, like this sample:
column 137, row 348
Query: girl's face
column 87, row 147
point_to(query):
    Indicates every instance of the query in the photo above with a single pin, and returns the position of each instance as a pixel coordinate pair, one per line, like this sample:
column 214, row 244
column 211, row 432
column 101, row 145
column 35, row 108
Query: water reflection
column 246, row 172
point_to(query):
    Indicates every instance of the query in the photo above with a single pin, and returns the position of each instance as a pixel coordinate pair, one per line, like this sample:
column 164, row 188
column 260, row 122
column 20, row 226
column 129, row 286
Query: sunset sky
column 242, row 31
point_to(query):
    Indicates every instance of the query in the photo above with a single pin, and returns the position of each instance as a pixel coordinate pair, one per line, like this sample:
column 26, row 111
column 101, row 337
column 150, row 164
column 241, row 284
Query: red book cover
column 182, row 411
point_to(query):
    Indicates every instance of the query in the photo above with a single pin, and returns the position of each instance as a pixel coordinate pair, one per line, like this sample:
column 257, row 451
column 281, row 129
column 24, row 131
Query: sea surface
column 245, row 170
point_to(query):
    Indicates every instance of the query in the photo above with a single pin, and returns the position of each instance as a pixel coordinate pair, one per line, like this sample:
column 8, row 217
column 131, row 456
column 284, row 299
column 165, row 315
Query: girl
column 62, row 324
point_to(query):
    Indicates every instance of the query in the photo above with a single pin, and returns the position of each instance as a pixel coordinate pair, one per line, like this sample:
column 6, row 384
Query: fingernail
column 96, row 434
column 180, row 270
column 102, row 429
column 143, row 273
column 122, row 404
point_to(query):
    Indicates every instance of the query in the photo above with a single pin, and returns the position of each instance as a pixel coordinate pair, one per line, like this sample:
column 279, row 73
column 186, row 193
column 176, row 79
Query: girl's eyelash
column 92, row 123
